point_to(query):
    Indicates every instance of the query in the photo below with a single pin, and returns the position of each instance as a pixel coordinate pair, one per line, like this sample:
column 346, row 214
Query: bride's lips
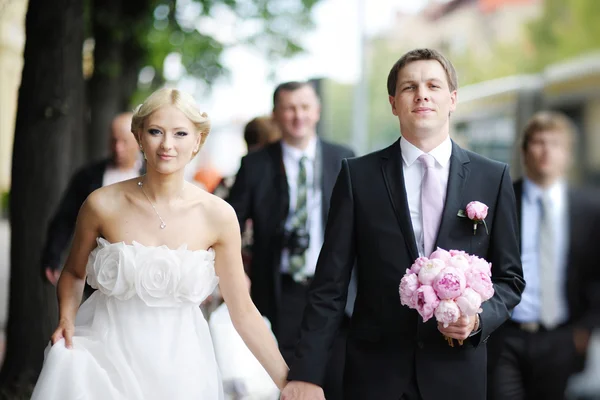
column 165, row 157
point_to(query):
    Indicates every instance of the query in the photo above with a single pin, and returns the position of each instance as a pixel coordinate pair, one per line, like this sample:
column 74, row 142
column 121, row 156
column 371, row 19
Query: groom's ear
column 453, row 100
column 392, row 101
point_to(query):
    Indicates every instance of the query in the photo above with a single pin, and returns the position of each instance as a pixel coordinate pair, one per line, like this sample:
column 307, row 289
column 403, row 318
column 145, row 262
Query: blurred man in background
column 285, row 189
column 533, row 355
column 125, row 162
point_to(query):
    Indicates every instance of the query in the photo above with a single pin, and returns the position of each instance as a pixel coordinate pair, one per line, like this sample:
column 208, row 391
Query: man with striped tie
column 285, row 189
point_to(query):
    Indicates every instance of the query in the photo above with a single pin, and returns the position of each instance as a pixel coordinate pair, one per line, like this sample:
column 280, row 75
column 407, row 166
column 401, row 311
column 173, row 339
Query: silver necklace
column 163, row 224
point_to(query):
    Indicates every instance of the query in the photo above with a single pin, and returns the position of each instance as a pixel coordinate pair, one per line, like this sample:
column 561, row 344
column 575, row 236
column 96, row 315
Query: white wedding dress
column 141, row 335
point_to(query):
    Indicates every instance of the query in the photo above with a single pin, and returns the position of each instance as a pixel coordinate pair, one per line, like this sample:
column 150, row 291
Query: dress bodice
column 159, row 276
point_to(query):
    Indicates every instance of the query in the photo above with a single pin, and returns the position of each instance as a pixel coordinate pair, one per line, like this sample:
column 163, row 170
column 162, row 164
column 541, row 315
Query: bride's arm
column 72, row 279
column 234, row 288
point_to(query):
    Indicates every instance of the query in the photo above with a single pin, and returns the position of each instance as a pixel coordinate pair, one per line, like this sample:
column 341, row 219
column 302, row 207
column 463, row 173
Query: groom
column 387, row 209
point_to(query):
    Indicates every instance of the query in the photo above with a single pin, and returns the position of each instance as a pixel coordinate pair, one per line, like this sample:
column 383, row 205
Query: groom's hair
column 418, row 55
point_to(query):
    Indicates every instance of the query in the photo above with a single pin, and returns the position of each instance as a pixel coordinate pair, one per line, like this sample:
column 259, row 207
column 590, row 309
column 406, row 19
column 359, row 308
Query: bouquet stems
column 451, row 341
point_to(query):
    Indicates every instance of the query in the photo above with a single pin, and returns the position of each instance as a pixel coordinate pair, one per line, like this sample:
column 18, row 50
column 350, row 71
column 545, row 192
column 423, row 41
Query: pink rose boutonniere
column 476, row 212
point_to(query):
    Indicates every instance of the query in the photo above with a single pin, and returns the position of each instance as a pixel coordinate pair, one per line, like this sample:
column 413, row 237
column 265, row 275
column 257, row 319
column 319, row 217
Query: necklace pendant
column 163, row 225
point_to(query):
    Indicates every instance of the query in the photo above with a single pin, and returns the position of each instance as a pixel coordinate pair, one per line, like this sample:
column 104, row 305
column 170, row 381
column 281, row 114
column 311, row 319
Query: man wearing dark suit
column 376, row 218
column 285, row 189
column 125, row 163
column 545, row 341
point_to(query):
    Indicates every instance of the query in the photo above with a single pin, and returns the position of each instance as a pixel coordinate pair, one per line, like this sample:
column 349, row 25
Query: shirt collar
column 296, row 154
column 533, row 191
column 441, row 154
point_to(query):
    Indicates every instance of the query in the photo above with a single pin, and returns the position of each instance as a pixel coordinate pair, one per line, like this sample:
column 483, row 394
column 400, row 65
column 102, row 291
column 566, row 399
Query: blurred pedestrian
column 546, row 339
column 259, row 132
column 285, row 189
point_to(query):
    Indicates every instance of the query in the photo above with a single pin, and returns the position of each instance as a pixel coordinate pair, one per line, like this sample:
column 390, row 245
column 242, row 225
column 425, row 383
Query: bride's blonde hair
column 181, row 100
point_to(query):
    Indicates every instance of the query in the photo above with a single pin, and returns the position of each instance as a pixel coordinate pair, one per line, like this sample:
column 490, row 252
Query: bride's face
column 169, row 140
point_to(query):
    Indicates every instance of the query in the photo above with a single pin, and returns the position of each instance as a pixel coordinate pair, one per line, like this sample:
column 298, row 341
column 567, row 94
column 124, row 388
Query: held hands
column 65, row 330
column 296, row 390
column 460, row 329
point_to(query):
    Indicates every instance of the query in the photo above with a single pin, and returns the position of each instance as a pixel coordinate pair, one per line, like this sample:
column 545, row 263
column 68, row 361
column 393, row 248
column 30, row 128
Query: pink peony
column 480, row 282
column 426, row 301
column 459, row 261
column 408, row 285
column 481, row 264
column 419, row 262
column 459, row 252
column 476, row 211
column 449, row 283
column 469, row 302
column 440, row 254
column 429, row 271
column 447, row 312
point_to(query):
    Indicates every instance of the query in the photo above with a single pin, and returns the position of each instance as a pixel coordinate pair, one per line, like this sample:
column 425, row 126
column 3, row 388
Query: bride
column 154, row 247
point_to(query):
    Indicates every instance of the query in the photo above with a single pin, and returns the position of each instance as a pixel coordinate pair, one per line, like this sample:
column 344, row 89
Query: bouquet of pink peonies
column 447, row 285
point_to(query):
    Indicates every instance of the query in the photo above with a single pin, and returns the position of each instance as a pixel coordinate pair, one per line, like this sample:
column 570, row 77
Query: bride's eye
column 153, row 131
column 181, row 133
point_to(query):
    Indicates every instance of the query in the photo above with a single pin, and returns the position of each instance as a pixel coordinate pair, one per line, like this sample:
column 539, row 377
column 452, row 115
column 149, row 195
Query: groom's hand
column 461, row 329
column 296, row 390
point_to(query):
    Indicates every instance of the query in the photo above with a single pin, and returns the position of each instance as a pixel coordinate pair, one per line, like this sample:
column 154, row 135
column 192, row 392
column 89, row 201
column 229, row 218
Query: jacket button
column 420, row 344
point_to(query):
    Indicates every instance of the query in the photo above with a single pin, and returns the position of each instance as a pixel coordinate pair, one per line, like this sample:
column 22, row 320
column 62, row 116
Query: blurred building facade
column 457, row 26
column 12, row 42
column 491, row 114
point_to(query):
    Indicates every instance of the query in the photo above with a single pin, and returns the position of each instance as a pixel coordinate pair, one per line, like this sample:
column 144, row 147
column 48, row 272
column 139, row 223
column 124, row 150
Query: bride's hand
column 65, row 330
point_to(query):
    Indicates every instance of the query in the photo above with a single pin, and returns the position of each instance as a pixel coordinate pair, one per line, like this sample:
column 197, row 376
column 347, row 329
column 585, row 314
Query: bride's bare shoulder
column 215, row 208
column 109, row 199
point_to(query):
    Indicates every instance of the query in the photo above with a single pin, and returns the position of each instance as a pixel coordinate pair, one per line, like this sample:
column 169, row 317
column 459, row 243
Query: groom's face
column 423, row 100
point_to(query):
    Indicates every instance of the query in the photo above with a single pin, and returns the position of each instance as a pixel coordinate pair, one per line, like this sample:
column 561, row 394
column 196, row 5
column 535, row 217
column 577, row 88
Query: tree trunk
column 104, row 91
column 49, row 115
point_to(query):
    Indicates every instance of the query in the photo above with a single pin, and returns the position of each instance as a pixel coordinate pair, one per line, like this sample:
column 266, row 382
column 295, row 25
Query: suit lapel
column 329, row 168
column 458, row 175
column 575, row 214
column 280, row 184
column 391, row 167
column 518, row 188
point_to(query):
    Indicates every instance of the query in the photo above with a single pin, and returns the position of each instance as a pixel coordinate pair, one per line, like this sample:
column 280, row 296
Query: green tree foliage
column 200, row 30
column 566, row 28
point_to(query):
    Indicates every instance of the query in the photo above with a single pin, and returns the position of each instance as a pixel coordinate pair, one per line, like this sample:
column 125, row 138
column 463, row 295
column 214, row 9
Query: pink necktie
column 431, row 203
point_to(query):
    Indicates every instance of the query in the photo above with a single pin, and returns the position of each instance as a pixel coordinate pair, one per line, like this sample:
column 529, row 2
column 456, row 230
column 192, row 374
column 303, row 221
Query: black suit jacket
column 369, row 222
column 583, row 268
column 261, row 193
column 62, row 224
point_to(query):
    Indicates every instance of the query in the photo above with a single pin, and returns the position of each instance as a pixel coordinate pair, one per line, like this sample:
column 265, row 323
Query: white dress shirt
column 291, row 159
column 413, row 176
column 114, row 175
column 528, row 310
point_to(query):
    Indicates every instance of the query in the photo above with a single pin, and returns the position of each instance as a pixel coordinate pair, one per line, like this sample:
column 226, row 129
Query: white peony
column 430, row 270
